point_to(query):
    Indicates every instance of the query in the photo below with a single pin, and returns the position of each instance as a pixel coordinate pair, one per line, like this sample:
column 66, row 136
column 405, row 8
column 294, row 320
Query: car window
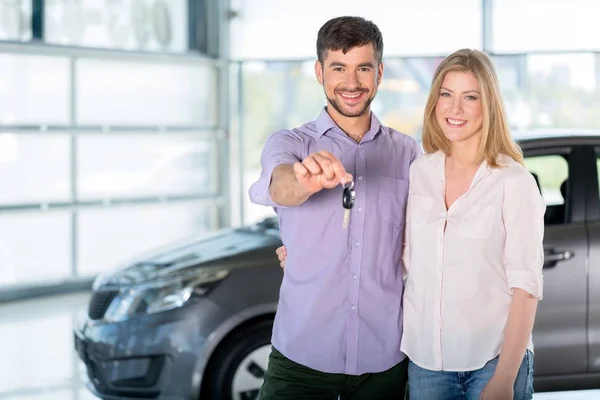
column 551, row 173
column 598, row 164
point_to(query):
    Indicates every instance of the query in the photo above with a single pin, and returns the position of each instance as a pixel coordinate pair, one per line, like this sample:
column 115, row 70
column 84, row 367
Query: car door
column 560, row 330
column 594, row 265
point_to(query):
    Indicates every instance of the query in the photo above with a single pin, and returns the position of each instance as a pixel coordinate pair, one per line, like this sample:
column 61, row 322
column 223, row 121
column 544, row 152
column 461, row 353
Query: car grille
column 100, row 302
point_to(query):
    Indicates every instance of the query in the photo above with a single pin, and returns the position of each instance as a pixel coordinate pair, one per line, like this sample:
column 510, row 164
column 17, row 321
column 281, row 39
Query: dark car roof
column 560, row 135
column 555, row 136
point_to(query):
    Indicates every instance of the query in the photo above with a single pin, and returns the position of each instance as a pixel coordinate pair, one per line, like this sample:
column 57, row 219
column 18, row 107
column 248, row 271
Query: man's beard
column 338, row 107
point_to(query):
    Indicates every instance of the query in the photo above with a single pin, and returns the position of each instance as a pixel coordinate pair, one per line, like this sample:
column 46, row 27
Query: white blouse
column 459, row 281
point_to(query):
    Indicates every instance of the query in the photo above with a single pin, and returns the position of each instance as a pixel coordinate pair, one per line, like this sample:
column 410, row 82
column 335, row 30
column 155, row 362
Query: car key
column 348, row 197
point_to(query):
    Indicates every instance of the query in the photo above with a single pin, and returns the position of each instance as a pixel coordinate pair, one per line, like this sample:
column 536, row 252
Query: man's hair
column 345, row 33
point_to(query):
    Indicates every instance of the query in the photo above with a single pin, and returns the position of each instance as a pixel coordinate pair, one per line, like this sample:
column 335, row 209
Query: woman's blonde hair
column 495, row 136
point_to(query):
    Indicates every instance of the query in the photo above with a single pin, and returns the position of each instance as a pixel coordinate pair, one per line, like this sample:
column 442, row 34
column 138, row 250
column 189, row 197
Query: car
column 193, row 320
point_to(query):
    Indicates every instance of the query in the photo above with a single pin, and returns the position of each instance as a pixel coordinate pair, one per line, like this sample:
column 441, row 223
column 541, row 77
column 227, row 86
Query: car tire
column 230, row 354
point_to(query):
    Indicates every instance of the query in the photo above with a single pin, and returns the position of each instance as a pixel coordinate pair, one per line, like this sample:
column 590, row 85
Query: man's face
column 350, row 80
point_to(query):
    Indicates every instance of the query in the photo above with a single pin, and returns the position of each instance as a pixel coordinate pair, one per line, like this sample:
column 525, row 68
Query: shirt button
column 354, row 276
column 360, row 178
column 359, row 209
column 353, row 307
column 357, row 244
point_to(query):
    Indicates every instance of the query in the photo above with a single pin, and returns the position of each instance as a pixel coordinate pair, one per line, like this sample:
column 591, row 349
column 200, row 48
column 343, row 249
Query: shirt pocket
column 477, row 222
column 391, row 202
column 420, row 210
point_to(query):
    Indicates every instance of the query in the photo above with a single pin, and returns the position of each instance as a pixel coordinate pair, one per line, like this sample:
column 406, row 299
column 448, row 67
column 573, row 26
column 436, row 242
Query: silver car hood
column 224, row 248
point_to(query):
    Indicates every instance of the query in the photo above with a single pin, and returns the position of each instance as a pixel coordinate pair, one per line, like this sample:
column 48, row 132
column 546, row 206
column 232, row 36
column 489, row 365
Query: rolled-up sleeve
column 523, row 215
column 282, row 147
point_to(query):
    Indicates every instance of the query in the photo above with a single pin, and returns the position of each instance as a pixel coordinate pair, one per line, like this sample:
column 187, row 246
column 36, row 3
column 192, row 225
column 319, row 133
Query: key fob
column 348, row 196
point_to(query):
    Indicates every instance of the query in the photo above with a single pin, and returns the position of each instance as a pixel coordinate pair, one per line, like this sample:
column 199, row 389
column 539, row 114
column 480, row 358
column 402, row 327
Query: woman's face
column 458, row 108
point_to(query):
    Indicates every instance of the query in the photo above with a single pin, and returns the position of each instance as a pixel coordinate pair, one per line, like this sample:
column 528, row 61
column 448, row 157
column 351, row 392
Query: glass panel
column 513, row 77
column 35, row 167
column 403, row 92
column 148, row 25
column 111, row 236
column 142, row 165
column 236, row 150
column 551, row 91
column 34, row 90
column 137, row 93
column 266, row 30
column 551, row 172
column 48, row 259
column 15, row 20
column 563, row 91
column 293, row 98
column 598, row 165
column 540, row 25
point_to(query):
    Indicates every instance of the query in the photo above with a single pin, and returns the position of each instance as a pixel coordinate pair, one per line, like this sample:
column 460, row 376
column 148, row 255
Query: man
column 339, row 320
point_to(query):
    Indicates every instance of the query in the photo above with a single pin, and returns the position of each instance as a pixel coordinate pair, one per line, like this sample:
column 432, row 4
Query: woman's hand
column 498, row 389
column 281, row 255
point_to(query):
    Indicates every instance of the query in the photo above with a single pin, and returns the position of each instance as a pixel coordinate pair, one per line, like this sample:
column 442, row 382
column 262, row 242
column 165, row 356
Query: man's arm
column 283, row 148
column 285, row 188
column 293, row 186
column 286, row 180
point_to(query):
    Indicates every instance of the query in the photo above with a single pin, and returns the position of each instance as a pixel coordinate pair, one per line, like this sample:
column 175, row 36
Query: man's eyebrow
column 341, row 64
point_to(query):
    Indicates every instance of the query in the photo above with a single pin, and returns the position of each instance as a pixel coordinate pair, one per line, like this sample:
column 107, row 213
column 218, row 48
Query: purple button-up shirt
column 340, row 304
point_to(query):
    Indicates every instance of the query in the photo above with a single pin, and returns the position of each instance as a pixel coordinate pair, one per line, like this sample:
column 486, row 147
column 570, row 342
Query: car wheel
column 237, row 369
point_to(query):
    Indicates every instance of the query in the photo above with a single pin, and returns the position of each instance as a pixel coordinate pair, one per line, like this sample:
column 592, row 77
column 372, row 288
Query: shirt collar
column 324, row 123
column 438, row 159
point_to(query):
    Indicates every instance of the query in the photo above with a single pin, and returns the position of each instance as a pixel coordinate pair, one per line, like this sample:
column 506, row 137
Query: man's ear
column 319, row 71
column 380, row 74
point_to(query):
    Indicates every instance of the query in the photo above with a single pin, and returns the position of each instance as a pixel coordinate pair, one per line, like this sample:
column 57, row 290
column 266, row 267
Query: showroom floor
column 38, row 361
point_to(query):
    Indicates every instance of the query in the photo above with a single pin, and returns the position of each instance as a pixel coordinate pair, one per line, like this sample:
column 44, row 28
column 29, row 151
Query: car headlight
column 165, row 294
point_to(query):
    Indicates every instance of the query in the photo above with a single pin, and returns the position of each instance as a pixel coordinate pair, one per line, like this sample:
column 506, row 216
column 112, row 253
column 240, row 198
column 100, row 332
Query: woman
column 473, row 250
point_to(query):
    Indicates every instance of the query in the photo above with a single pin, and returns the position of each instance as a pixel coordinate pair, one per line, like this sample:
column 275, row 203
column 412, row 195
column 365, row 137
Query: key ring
column 349, row 185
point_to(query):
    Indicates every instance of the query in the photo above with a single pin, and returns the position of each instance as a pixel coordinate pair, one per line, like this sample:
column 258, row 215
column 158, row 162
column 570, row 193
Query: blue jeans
column 424, row 384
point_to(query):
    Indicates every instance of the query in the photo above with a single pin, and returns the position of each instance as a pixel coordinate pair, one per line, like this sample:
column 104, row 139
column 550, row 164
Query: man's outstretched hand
column 321, row 170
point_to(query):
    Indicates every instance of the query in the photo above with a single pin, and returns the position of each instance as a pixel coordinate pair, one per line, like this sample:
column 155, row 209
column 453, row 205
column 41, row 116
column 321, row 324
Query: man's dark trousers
column 288, row 380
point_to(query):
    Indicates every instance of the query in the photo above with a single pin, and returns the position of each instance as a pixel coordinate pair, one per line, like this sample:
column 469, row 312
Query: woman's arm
column 523, row 216
column 519, row 325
